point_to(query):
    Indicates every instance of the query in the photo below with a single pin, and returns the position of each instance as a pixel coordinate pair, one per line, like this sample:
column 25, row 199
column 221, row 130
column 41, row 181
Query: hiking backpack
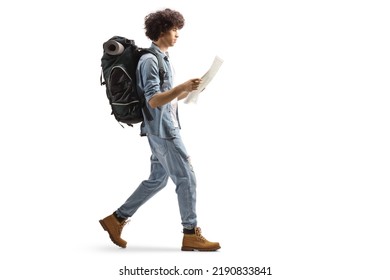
column 119, row 64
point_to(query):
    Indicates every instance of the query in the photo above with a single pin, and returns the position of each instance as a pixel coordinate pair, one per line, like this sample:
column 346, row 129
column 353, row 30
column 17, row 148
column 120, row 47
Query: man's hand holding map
column 206, row 79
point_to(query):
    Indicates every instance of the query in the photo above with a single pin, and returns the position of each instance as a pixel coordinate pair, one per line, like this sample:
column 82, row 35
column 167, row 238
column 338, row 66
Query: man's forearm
column 181, row 91
column 183, row 95
column 162, row 98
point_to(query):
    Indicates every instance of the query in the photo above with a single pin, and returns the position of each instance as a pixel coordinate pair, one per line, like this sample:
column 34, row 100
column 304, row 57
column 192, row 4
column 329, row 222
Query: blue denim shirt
column 148, row 83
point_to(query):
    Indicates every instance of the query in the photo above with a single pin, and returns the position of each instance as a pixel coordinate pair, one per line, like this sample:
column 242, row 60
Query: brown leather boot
column 114, row 229
column 196, row 241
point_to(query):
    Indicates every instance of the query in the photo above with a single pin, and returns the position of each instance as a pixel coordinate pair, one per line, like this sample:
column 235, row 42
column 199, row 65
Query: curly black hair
column 162, row 21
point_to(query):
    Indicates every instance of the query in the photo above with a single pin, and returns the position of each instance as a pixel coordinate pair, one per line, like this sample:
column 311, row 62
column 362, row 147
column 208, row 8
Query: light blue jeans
column 169, row 160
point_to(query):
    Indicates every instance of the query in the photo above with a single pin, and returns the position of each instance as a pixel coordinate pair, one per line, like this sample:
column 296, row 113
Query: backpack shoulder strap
column 161, row 70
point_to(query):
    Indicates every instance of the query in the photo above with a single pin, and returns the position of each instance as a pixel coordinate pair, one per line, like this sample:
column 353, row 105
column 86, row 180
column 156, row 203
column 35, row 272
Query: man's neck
column 161, row 46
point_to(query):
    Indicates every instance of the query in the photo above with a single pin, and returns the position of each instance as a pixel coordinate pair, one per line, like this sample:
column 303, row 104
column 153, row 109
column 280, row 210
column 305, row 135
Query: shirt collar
column 164, row 55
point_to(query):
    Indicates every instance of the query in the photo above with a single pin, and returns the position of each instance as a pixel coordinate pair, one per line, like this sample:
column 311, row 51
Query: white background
column 290, row 142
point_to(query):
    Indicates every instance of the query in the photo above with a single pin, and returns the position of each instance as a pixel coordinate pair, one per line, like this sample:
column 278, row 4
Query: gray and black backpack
column 119, row 64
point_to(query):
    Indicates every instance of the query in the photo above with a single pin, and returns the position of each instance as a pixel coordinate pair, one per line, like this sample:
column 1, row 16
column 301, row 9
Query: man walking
column 169, row 157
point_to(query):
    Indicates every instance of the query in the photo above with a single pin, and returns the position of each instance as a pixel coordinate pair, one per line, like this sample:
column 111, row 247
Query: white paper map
column 206, row 79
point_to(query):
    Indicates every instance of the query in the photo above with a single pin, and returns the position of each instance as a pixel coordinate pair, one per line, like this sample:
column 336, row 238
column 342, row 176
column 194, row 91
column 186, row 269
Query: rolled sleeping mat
column 112, row 47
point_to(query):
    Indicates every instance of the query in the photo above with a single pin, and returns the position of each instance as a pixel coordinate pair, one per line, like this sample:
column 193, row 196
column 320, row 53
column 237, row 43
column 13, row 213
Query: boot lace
column 121, row 226
column 198, row 233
